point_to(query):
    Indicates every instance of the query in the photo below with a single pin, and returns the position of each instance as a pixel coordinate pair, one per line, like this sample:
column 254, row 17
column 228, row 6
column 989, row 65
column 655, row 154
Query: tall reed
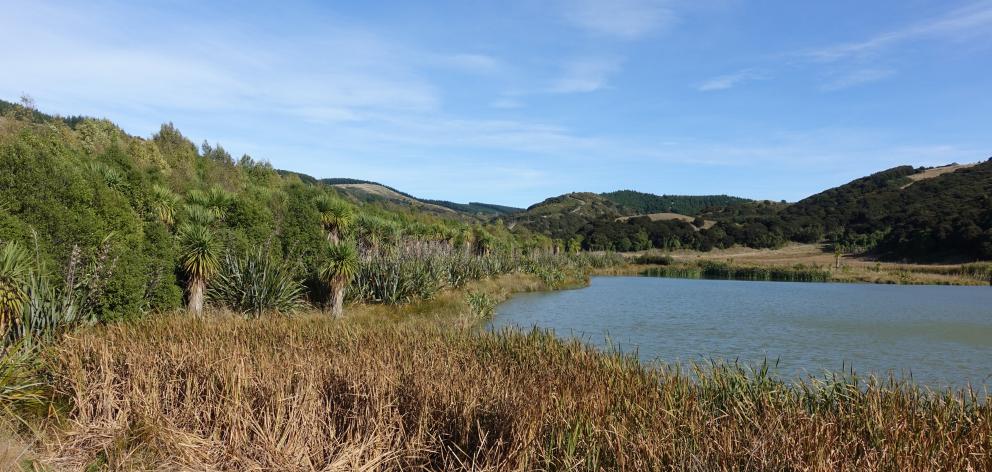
column 724, row 271
column 312, row 394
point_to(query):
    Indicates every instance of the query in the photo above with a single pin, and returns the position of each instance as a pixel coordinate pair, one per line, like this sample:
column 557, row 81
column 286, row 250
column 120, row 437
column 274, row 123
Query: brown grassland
column 855, row 269
column 421, row 387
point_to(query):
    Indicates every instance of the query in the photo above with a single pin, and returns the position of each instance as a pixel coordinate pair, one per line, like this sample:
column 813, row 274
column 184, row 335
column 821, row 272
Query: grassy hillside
column 690, row 205
column 368, row 191
column 564, row 216
column 583, row 204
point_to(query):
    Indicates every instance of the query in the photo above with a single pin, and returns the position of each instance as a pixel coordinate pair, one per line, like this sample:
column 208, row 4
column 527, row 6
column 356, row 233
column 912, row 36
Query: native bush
column 253, row 283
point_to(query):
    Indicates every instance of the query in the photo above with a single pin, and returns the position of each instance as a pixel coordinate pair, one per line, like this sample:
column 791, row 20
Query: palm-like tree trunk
column 337, row 297
column 332, row 236
column 197, row 288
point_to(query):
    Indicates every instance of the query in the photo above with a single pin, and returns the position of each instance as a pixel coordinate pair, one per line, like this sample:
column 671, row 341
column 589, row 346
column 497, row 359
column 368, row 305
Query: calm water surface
column 940, row 335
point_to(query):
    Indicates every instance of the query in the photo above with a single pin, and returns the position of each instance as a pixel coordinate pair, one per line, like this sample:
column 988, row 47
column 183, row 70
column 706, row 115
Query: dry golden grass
column 308, row 393
column 853, row 269
column 936, row 172
column 13, row 452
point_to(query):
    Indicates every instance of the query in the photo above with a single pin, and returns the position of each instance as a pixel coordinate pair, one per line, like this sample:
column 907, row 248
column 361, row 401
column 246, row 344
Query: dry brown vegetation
column 852, row 268
column 312, row 394
column 420, row 387
column 936, row 172
column 414, row 389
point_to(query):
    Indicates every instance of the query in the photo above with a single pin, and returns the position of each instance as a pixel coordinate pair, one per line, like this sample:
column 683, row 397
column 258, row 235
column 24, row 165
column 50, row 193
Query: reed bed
column 308, row 393
column 724, row 271
column 420, row 272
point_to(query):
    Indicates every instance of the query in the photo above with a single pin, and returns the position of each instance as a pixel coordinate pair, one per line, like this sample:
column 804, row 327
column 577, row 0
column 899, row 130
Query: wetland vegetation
column 166, row 305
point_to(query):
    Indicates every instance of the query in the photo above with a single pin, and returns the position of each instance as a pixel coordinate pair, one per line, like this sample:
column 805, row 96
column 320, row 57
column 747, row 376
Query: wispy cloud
column 366, row 73
column 963, row 23
column 857, row 77
column 728, row 81
column 585, row 75
column 624, row 19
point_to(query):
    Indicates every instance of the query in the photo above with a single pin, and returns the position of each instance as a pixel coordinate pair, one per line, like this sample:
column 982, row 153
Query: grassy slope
column 364, row 190
column 583, row 204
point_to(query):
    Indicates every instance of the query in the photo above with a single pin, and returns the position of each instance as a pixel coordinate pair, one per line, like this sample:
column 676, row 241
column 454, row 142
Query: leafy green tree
column 463, row 238
column 164, row 203
column 198, row 215
column 374, row 232
column 339, row 267
column 198, row 257
column 575, row 244
column 484, row 242
column 336, row 216
column 15, row 268
column 219, row 201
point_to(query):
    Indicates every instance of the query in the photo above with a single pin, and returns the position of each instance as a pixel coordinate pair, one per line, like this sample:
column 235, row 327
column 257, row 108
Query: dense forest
column 891, row 214
column 896, row 214
column 644, row 203
column 115, row 213
column 139, row 222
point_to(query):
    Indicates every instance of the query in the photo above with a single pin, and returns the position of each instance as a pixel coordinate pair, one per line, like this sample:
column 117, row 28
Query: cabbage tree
column 339, row 267
column 198, row 257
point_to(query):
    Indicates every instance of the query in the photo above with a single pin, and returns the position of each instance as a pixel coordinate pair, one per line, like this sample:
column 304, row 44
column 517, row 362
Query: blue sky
column 514, row 101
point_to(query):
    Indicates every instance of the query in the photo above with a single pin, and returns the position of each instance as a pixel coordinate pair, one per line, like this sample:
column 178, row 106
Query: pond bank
column 968, row 274
column 411, row 387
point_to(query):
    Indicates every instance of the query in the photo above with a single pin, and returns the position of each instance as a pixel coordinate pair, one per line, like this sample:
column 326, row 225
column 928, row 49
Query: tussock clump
column 313, row 394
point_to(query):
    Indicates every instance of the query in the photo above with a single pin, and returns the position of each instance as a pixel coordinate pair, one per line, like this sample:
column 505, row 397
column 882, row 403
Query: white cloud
column 625, row 19
column 964, row 23
column 585, row 75
column 338, row 75
column 858, row 77
column 725, row 82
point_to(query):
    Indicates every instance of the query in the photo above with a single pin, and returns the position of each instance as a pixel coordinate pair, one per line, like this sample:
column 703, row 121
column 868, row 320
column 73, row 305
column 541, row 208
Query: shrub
column 654, row 259
column 254, row 283
column 483, row 305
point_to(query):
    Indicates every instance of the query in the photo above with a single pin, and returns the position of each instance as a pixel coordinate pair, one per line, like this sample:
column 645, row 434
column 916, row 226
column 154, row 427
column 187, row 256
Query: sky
column 514, row 101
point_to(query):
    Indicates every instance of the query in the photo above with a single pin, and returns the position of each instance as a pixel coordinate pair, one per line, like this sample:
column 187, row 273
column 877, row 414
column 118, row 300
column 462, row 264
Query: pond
column 940, row 335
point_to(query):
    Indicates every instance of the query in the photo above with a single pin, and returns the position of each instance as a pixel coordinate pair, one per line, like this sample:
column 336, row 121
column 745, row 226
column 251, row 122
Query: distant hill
column 690, row 205
column 563, row 216
column 923, row 213
column 75, row 180
column 368, row 191
column 578, row 203
column 566, row 215
column 920, row 214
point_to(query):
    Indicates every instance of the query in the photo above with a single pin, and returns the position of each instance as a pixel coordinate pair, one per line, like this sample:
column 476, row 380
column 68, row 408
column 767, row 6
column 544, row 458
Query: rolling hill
column 367, row 191
column 915, row 213
column 689, row 205
column 903, row 213
column 563, row 216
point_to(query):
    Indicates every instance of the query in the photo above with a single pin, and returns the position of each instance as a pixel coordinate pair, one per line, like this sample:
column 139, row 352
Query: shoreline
column 124, row 402
column 882, row 276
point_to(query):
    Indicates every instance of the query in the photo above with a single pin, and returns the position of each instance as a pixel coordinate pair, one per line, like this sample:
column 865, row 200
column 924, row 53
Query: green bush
column 254, row 283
